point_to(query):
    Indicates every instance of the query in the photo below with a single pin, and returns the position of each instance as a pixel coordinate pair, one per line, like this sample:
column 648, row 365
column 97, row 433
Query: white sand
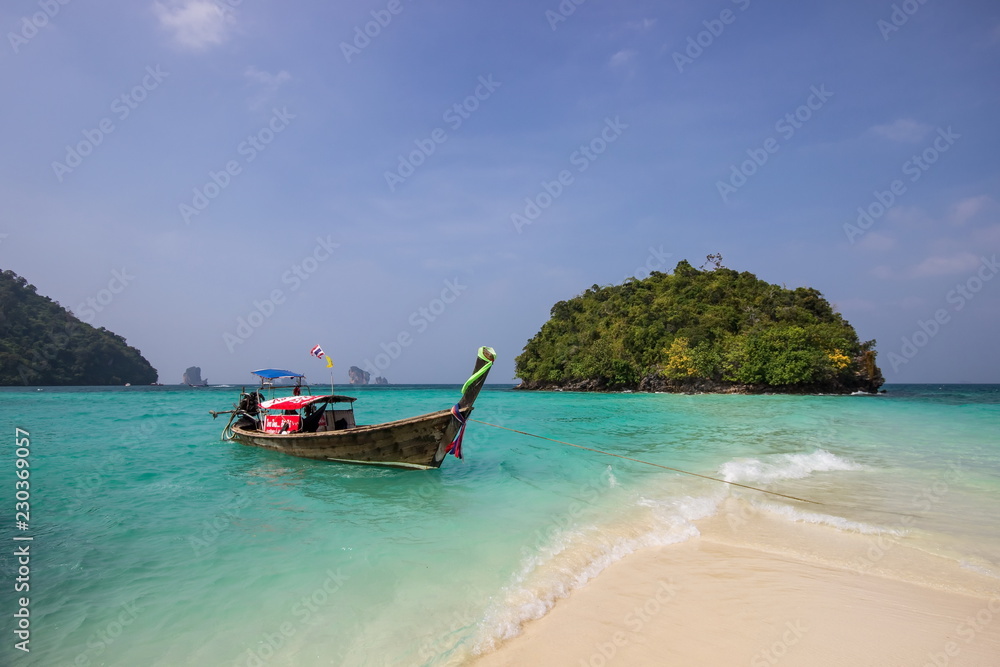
column 769, row 592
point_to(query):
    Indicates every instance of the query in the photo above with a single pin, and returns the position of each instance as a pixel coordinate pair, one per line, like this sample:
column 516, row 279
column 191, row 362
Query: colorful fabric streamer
column 455, row 447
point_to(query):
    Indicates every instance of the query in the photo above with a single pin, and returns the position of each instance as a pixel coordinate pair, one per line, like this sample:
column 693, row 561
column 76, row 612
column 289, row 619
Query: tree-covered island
column 42, row 343
column 716, row 330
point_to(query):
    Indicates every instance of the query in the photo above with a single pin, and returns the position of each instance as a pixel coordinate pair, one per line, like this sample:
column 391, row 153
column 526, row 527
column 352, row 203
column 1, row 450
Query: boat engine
column 250, row 403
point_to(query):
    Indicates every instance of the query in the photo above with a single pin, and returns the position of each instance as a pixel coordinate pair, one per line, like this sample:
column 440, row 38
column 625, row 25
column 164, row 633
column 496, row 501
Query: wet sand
column 761, row 591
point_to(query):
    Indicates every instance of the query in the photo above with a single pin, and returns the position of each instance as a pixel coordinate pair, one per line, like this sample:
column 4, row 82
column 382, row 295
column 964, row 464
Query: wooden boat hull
column 417, row 442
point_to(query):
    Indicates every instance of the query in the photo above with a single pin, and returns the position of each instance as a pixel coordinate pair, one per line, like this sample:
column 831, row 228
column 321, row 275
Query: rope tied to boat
column 656, row 465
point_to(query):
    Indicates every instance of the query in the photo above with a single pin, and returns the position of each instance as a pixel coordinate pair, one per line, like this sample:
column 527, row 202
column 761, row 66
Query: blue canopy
column 274, row 373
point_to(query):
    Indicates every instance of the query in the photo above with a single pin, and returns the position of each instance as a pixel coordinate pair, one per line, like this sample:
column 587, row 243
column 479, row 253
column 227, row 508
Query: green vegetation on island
column 42, row 343
column 715, row 330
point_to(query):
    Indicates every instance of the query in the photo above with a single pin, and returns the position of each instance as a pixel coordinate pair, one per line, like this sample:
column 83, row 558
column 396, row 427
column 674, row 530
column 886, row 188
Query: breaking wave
column 784, row 466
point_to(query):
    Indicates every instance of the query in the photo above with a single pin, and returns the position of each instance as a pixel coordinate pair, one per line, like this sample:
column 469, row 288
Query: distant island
column 42, row 343
column 360, row 376
column 715, row 330
column 192, row 377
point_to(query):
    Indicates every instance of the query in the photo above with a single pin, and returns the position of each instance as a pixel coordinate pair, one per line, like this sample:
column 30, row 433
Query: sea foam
column 841, row 523
column 784, row 466
column 574, row 557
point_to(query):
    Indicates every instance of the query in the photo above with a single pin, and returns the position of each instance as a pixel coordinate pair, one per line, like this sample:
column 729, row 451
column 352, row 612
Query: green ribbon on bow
column 487, row 354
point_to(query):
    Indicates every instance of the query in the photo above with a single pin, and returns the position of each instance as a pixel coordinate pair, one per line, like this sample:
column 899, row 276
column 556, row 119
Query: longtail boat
column 324, row 427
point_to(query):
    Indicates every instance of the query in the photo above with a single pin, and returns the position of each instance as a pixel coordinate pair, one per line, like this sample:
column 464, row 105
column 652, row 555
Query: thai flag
column 318, row 353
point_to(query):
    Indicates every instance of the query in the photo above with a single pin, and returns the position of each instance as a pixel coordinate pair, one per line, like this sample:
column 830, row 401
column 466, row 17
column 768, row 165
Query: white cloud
column 987, row 238
column 882, row 272
column 266, row 78
column 969, row 208
column 904, row 130
column 266, row 84
column 195, row 24
column 622, row 57
column 963, row 262
column 877, row 242
column 909, row 216
column 642, row 24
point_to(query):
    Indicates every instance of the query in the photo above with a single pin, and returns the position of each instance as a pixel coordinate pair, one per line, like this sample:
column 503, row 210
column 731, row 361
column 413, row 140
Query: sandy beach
column 757, row 590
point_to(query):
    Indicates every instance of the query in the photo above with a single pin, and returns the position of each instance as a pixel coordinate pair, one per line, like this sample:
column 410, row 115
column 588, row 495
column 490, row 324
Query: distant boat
column 324, row 428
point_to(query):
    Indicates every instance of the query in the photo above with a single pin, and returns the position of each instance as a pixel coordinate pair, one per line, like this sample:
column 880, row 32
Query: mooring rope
column 656, row 465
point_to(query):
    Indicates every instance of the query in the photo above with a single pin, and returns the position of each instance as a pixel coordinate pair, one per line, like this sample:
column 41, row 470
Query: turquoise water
column 157, row 544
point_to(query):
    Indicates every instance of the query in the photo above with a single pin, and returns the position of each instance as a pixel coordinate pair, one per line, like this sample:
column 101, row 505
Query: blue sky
column 227, row 184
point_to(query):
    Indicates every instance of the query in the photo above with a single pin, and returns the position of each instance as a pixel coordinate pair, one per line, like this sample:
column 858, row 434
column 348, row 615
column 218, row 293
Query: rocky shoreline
column 660, row 384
